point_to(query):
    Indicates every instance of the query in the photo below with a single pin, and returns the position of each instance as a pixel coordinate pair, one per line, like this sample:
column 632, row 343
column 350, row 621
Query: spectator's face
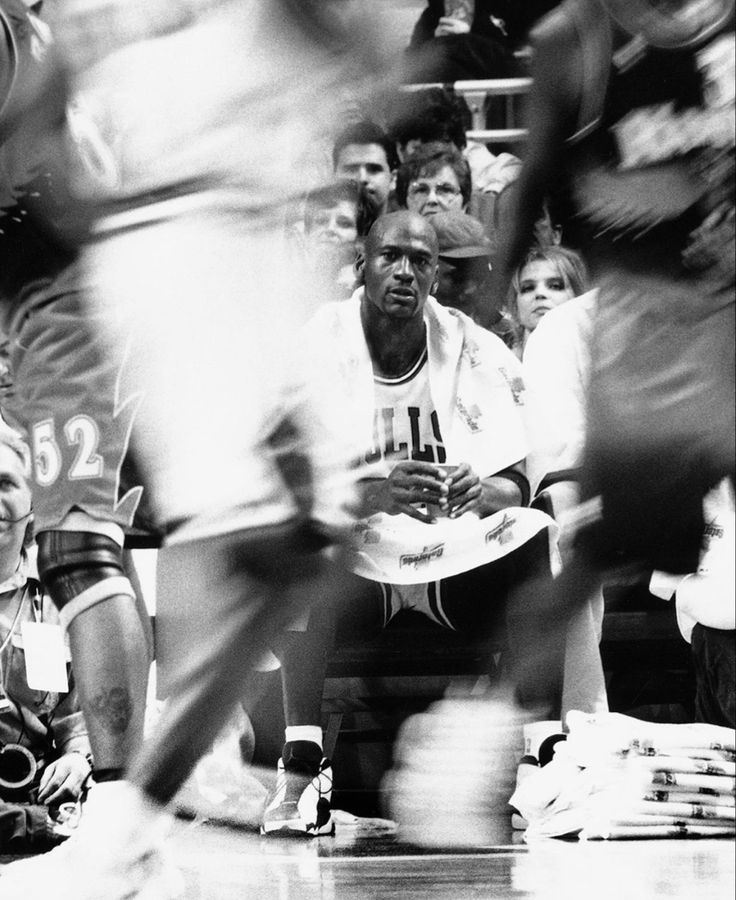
column 400, row 267
column 430, row 194
column 541, row 288
column 336, row 224
column 463, row 283
column 15, row 498
column 367, row 164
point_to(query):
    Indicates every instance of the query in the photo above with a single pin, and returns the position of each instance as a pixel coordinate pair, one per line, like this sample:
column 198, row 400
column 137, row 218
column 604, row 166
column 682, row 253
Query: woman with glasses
column 435, row 179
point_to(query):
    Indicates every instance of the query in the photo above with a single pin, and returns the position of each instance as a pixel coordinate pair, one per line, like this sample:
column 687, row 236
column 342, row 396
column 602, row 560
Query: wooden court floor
column 226, row 864
column 220, row 863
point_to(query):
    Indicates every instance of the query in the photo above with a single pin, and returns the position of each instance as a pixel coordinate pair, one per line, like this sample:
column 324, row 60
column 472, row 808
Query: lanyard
column 11, row 631
column 36, row 602
column 8, row 639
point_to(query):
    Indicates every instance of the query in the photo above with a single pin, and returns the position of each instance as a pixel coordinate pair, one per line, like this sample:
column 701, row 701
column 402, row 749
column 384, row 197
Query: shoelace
column 68, row 818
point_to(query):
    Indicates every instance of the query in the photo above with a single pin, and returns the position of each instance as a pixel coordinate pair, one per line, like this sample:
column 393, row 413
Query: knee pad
column 80, row 569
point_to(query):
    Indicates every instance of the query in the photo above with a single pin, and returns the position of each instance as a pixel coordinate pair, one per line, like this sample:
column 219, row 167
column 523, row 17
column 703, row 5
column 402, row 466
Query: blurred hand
column 465, row 491
column 448, row 26
column 410, row 484
column 63, row 779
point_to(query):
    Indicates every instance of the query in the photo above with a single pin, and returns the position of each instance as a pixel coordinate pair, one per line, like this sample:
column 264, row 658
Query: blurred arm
column 553, row 105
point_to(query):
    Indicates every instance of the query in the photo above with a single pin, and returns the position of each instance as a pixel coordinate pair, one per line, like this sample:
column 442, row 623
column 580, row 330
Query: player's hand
column 465, row 491
column 448, row 26
column 63, row 779
column 410, row 484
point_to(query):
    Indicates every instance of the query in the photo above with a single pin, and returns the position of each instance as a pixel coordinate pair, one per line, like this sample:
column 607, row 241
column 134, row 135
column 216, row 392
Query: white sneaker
column 67, row 819
column 540, row 739
column 115, row 854
column 528, row 766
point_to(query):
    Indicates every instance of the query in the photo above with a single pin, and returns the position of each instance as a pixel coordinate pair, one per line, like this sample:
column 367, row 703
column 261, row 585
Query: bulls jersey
column 405, row 422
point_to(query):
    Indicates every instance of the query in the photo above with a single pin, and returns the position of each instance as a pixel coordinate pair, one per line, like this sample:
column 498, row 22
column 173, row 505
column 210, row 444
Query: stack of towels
column 618, row 777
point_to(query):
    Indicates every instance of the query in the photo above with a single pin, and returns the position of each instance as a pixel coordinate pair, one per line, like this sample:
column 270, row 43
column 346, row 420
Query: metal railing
column 476, row 93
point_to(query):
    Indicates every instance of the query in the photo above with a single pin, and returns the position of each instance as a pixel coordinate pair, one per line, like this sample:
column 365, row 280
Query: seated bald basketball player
column 431, row 404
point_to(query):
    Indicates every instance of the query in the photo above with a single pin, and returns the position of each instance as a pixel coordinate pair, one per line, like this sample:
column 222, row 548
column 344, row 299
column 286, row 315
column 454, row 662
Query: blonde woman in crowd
column 547, row 278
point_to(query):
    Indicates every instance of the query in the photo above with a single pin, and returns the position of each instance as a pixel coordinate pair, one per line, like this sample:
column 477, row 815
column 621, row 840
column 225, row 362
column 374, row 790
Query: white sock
column 311, row 733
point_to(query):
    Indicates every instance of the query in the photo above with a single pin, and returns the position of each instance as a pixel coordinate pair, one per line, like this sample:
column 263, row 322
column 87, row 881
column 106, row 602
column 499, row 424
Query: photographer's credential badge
column 45, row 654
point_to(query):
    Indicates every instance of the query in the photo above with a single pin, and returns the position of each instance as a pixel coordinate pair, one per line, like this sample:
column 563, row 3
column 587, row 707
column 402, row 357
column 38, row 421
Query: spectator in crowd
column 336, row 219
column 434, row 179
column 437, row 114
column 464, row 263
column 466, row 39
column 548, row 277
column 437, row 429
column 364, row 152
column 464, row 268
column 44, row 749
column 437, row 178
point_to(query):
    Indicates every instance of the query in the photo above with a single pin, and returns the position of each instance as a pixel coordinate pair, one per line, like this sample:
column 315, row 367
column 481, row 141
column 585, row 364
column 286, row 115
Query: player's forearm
column 497, row 493
column 371, row 497
column 541, row 168
column 515, row 237
column 553, row 106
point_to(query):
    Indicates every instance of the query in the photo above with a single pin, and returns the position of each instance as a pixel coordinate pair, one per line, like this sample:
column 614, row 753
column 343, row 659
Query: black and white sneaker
column 300, row 803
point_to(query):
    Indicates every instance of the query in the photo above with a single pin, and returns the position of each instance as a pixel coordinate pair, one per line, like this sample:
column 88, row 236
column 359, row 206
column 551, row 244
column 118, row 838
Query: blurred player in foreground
column 65, row 400
column 197, row 117
column 632, row 116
